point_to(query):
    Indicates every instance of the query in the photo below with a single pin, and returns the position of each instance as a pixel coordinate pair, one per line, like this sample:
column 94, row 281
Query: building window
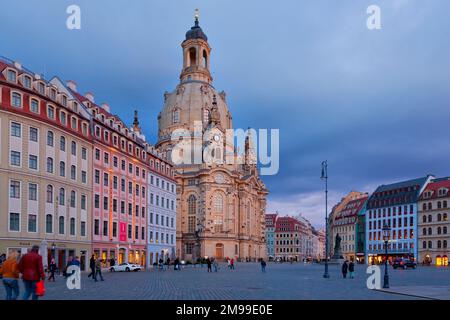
column 83, row 228
column 61, row 225
column 84, row 153
column 83, row 202
column 34, row 106
column 33, row 134
column 176, row 116
column 105, row 228
column 192, row 205
column 16, row 129
column 50, row 112
column 27, row 82
column 62, row 168
column 49, row 165
column 114, row 231
column 72, row 199
column 63, row 118
column 16, row 100
column 48, row 223
column 73, row 172
column 49, row 197
column 62, row 197
column 33, row 162
column 72, row 226
column 83, row 177
column 96, row 227
column 74, row 148
column 32, row 192
column 14, row 221
column 12, row 76
column 50, row 138
column 15, row 158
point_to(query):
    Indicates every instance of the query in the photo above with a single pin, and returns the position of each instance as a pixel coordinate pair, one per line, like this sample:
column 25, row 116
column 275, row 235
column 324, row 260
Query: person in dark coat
column 92, row 267
column 209, row 263
column 344, row 269
column 52, row 269
column 351, row 269
column 263, row 266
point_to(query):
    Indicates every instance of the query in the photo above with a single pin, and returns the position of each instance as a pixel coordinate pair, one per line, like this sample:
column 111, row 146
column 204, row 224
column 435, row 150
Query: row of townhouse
column 293, row 239
column 76, row 180
column 414, row 211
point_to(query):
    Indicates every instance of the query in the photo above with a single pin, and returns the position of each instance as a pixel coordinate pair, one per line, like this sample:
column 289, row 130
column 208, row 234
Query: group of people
column 348, row 267
column 32, row 270
column 230, row 263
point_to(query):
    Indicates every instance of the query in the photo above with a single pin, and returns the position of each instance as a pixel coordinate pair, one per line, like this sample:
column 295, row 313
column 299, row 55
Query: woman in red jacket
column 32, row 271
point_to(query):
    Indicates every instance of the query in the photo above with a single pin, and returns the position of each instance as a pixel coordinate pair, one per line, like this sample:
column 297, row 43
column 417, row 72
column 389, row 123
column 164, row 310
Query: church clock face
column 219, row 178
column 216, row 138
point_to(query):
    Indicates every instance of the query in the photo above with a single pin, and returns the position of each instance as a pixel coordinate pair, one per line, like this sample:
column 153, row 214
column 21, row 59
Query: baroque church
column 220, row 204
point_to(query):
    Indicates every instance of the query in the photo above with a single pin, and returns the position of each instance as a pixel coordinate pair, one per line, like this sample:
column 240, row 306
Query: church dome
column 191, row 101
column 196, row 32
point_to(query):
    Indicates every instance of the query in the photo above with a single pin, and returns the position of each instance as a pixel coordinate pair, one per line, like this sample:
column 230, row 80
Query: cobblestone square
column 247, row 282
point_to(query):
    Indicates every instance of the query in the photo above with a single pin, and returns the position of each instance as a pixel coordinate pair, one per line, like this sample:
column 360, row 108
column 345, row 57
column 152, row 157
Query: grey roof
column 196, row 32
column 402, row 184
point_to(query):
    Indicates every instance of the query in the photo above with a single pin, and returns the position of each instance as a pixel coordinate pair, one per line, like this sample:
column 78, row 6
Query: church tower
column 220, row 205
column 196, row 52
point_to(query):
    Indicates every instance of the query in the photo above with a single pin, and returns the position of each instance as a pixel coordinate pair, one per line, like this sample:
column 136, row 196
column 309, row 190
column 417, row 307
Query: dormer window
column 53, row 94
column 26, row 81
column 64, row 100
column 12, row 76
column 442, row 192
column 41, row 88
column 75, row 107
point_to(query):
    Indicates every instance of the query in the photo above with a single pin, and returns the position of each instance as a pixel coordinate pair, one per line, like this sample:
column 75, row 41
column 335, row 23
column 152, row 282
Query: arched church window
column 205, row 115
column 218, row 203
column 192, row 57
column 192, row 205
column 205, row 59
column 176, row 116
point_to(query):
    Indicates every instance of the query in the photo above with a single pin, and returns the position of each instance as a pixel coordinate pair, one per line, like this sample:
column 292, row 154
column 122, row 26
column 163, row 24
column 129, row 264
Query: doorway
column 219, row 251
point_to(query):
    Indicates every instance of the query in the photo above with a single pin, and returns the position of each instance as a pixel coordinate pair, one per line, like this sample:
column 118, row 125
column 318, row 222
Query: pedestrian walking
column 215, row 265
column 52, row 270
column 32, row 270
column 263, row 266
column 92, row 267
column 351, row 269
column 10, row 274
column 232, row 264
column 98, row 270
column 176, row 264
column 112, row 262
column 344, row 269
column 161, row 264
column 209, row 263
column 228, row 263
column 168, row 263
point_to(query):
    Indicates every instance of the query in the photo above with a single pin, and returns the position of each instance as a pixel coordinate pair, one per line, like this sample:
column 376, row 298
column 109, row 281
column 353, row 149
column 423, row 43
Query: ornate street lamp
column 324, row 176
column 386, row 233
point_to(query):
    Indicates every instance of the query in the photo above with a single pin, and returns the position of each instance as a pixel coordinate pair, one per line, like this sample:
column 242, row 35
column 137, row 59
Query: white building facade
column 162, row 199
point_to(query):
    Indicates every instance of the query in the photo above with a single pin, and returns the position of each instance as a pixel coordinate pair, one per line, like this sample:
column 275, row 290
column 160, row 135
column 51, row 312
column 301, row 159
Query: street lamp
column 386, row 232
column 324, row 176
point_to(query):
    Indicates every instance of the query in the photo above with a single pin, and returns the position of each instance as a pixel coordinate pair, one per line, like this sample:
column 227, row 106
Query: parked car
column 126, row 267
column 404, row 264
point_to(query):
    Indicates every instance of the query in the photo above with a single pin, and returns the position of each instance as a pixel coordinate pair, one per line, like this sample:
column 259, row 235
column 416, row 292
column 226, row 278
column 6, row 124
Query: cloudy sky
column 375, row 104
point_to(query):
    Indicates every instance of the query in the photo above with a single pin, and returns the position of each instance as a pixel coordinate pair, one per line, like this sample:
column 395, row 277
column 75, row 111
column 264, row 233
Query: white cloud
column 310, row 205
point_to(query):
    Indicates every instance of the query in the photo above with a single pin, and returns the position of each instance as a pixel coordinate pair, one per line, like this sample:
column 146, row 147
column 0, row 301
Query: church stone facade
column 220, row 205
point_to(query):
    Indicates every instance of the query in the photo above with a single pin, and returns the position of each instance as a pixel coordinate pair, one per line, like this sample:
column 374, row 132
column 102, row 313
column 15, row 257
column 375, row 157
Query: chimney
column 105, row 107
column 72, row 85
column 90, row 96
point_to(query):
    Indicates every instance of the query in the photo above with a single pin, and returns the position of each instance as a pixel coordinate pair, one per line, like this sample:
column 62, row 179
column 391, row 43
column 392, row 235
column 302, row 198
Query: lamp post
column 324, row 176
column 386, row 232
